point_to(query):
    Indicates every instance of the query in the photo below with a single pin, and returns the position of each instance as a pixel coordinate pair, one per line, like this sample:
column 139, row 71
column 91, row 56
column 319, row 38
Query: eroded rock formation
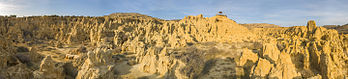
column 131, row 45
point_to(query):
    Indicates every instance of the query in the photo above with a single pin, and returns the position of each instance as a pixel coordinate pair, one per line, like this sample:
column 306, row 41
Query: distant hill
column 260, row 25
column 339, row 28
column 131, row 15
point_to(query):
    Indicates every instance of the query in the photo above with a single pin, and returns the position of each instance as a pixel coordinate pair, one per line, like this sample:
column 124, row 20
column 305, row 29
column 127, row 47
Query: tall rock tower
column 311, row 26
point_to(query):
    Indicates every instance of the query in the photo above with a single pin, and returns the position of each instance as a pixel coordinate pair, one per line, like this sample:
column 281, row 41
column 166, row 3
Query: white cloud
column 22, row 7
column 8, row 7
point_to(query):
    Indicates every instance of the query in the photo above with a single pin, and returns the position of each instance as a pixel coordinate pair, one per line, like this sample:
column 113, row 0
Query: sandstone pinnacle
column 311, row 25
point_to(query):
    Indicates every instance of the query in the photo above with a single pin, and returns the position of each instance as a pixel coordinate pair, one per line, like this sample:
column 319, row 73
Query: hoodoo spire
column 311, row 25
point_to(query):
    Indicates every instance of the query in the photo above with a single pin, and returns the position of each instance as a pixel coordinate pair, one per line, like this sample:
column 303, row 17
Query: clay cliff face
column 131, row 45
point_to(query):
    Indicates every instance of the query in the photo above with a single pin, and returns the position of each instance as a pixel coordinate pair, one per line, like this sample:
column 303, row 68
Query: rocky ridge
column 130, row 45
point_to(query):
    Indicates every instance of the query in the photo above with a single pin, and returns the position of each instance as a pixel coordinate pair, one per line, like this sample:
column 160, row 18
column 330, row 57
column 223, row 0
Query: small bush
column 13, row 15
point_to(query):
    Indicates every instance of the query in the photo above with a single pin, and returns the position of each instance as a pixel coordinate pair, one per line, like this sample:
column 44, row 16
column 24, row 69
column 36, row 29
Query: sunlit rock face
column 131, row 46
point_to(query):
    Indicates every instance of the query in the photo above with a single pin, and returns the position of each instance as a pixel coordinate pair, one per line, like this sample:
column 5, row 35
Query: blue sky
column 280, row 12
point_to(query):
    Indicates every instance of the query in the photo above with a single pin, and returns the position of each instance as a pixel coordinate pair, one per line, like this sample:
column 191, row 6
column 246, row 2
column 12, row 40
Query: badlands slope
column 132, row 46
